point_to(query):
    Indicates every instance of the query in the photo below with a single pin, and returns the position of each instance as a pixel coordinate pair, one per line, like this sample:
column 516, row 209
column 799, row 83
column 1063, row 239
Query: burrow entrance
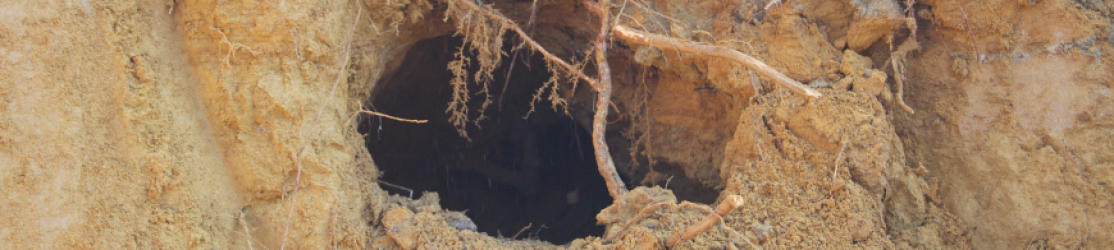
column 514, row 172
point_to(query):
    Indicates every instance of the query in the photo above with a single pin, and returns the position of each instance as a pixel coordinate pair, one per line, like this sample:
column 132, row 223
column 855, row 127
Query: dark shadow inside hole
column 514, row 172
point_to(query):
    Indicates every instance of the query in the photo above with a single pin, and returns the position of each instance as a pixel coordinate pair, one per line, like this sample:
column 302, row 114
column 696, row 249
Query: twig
column 739, row 235
column 662, row 42
column 377, row 131
column 536, row 233
column 641, row 214
column 244, row 225
column 392, row 117
column 530, row 23
column 732, row 202
column 297, row 48
column 398, row 187
column 336, row 213
column 835, row 170
column 754, row 83
column 247, row 231
column 507, row 81
column 771, row 4
column 671, row 19
column 757, row 127
column 621, row 9
column 522, row 230
column 297, row 156
column 604, row 162
column 967, row 26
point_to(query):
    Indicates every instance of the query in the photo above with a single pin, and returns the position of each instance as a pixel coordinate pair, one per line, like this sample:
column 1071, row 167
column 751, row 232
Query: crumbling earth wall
column 200, row 124
column 185, row 124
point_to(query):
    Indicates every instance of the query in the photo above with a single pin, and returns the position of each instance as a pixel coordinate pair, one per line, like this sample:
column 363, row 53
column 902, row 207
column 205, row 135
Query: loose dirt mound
column 233, row 125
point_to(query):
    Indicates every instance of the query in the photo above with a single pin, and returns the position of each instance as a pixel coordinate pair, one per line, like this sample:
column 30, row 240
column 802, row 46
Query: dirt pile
column 233, row 125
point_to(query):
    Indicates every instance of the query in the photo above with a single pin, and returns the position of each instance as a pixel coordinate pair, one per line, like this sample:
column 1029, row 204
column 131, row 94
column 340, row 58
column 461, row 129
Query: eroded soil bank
column 235, row 125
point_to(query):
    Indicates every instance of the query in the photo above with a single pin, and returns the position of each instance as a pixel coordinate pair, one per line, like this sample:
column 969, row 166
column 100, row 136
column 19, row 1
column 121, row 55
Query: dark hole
column 515, row 172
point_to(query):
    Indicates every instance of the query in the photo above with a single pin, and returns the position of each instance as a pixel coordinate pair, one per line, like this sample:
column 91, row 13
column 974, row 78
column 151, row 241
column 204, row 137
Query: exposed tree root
column 732, row 202
column 714, row 217
column 606, row 165
column 897, row 57
column 899, row 69
column 664, row 43
column 602, row 85
column 491, row 20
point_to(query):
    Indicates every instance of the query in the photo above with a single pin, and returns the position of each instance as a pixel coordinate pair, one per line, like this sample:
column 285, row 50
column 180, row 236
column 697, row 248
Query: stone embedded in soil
column 460, row 221
column 400, row 226
column 873, row 20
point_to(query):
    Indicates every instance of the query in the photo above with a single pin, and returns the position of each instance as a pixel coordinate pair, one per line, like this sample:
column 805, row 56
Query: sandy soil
column 175, row 124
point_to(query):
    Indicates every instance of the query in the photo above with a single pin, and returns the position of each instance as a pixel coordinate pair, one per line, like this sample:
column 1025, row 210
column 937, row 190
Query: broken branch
column 663, row 42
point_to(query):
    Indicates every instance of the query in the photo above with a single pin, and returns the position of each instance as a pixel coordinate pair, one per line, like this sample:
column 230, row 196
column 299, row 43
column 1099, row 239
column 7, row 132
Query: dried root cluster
column 483, row 28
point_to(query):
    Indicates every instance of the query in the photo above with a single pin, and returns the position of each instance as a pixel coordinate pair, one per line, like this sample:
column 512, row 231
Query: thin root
column 232, row 47
column 967, row 26
column 522, row 230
